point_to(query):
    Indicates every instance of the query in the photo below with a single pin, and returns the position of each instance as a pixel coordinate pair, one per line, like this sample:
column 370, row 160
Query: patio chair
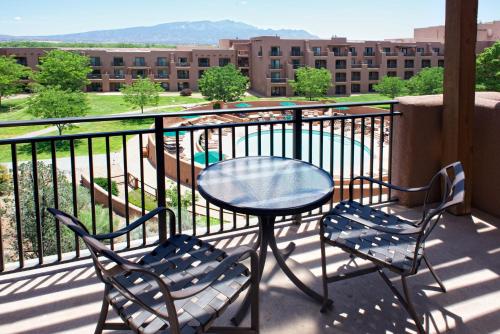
column 389, row 242
column 182, row 286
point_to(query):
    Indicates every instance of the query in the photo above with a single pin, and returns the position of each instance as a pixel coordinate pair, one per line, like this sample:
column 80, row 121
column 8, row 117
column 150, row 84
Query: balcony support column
column 459, row 87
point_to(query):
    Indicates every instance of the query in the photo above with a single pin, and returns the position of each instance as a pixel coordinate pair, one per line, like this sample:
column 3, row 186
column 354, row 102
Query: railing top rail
column 207, row 112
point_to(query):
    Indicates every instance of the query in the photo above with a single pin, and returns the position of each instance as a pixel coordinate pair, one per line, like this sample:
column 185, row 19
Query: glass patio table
column 268, row 187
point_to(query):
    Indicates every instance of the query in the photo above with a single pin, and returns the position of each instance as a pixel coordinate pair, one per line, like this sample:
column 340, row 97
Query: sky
column 354, row 19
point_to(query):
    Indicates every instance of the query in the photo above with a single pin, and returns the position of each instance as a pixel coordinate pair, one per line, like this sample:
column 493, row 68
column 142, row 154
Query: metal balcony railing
column 183, row 64
column 275, row 66
column 275, row 53
column 62, row 171
column 296, row 54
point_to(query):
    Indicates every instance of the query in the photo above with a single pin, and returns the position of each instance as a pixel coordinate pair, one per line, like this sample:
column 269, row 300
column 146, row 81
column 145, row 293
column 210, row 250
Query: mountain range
column 196, row 32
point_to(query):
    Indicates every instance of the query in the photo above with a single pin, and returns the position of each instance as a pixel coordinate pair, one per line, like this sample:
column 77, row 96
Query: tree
column 141, row 93
column 65, row 69
column 426, row 82
column 488, row 68
column 45, row 188
column 312, row 82
column 225, row 83
column 391, row 87
column 10, row 74
column 52, row 102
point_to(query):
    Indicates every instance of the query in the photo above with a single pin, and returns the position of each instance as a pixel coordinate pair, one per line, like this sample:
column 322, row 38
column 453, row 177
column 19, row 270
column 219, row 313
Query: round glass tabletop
column 265, row 186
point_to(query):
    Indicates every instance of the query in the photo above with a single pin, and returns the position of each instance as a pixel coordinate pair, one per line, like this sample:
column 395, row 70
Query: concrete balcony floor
column 465, row 252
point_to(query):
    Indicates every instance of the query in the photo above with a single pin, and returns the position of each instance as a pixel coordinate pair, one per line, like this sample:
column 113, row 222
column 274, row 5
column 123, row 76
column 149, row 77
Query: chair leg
column 436, row 277
column 326, row 303
column 104, row 314
column 410, row 308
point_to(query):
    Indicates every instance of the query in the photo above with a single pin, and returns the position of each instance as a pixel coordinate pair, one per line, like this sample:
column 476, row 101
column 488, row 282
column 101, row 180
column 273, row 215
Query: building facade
column 269, row 62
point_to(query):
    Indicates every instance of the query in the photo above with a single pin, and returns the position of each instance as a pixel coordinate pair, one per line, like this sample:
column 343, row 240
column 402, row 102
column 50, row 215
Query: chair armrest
column 135, row 224
column 385, row 184
column 241, row 252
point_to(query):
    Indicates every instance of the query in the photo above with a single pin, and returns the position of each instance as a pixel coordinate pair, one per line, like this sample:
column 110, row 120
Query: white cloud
column 244, row 2
column 18, row 18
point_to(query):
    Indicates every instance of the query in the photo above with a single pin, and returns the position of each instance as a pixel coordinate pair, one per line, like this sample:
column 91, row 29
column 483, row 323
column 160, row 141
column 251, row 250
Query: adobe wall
column 417, row 148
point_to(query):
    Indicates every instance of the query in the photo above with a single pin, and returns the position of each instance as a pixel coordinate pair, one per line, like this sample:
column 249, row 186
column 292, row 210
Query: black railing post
column 297, row 146
column 160, row 180
column 297, row 134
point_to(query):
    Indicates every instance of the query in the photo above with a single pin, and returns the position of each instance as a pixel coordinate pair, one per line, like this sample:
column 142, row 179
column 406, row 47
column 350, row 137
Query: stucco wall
column 417, row 147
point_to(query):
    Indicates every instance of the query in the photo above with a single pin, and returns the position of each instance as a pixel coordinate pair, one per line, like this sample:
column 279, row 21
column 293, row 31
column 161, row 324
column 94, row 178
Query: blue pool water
column 172, row 133
column 213, row 156
column 316, row 153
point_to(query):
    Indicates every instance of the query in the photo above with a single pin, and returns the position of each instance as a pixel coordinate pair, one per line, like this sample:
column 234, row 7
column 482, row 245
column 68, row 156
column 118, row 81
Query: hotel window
column 392, row 74
column 355, row 76
column 421, row 50
column 336, row 51
column 316, row 50
column 165, row 86
column 161, row 61
column 95, row 61
column 387, row 50
column 22, row 61
column 436, row 50
column 408, row 74
column 260, row 51
column 200, row 73
column 275, row 64
column 182, row 61
column 182, row 74
column 275, row 51
column 182, row 85
column 296, row 51
column 441, row 63
column 295, row 63
column 373, row 76
column 203, row 62
column 139, row 61
column 340, row 77
column 224, row 61
column 119, row 73
column 340, row 90
column 353, row 51
column 370, row 88
column 340, row 64
column 409, row 63
column 392, row 63
column 369, row 51
column 355, row 88
column 162, row 74
column 426, row 63
column 118, row 61
column 320, row 63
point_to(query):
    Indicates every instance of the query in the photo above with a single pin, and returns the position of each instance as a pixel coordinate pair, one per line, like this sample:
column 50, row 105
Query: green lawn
column 100, row 105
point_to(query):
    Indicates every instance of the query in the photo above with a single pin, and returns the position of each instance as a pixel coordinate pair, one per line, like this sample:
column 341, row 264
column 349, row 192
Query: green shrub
column 103, row 183
column 4, row 180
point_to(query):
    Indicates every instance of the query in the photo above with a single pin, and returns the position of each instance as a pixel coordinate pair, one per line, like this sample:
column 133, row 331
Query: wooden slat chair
column 182, row 286
column 386, row 240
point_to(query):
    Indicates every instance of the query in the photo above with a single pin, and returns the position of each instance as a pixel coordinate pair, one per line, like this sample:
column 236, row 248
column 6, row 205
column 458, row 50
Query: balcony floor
column 464, row 251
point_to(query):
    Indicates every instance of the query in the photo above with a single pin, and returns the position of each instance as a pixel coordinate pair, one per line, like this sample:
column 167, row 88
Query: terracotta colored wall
column 417, row 148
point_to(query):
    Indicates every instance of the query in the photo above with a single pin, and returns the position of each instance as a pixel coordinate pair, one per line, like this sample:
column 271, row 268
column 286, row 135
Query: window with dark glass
column 441, row 63
column 373, row 76
column 275, row 51
column 353, row 51
column 182, row 74
column 139, row 61
column 316, row 50
column 392, row 63
column 321, row 63
column 355, row 76
column 340, row 64
column 203, row 62
column 340, row 77
column 118, row 61
column 392, row 74
column 95, row 61
column 355, row 88
column 426, row 63
column 408, row 74
column 162, row 74
column 224, row 61
column 296, row 51
column 409, row 63
column 161, row 61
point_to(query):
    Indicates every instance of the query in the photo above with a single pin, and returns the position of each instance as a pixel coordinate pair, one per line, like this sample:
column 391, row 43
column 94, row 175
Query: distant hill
column 198, row 32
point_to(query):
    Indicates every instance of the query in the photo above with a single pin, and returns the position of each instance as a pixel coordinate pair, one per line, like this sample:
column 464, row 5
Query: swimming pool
column 213, row 156
column 316, row 153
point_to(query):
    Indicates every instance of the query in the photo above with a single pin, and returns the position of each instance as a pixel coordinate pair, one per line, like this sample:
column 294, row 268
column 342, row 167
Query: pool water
column 316, row 153
column 172, row 133
column 213, row 156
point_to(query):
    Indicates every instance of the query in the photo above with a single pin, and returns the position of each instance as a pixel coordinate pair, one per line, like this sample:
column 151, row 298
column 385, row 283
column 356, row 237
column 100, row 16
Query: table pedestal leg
column 261, row 244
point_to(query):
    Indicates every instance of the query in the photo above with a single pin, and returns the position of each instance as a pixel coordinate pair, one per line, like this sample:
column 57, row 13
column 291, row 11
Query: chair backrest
column 451, row 179
column 95, row 247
